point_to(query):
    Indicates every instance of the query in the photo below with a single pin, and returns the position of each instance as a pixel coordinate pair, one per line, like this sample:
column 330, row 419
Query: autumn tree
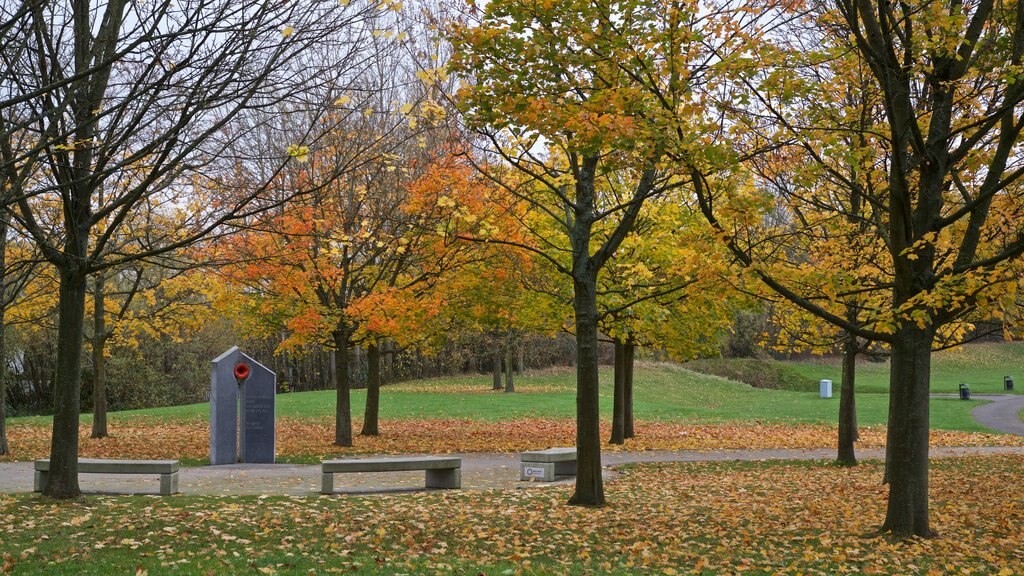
column 556, row 91
column 101, row 87
column 945, row 198
column 663, row 292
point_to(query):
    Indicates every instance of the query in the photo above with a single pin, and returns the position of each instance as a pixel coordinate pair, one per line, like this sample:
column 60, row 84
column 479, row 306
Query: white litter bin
column 826, row 388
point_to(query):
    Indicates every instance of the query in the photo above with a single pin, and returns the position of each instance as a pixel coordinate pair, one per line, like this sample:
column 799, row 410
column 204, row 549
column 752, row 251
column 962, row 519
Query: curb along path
column 480, row 471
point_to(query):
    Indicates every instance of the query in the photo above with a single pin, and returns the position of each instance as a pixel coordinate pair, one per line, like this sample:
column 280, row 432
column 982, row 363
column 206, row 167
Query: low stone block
column 544, row 465
column 549, row 455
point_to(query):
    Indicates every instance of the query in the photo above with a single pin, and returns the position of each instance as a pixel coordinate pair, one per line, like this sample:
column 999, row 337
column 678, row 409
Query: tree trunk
column 589, row 484
column 619, row 395
column 521, row 363
column 343, row 384
column 99, row 364
column 63, row 476
column 509, row 383
column 627, row 401
column 372, row 390
column 906, row 451
column 4, row 449
column 496, row 370
column 847, row 404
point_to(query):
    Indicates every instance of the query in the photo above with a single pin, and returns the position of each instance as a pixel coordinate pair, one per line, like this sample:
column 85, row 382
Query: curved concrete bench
column 544, row 465
column 167, row 469
column 442, row 471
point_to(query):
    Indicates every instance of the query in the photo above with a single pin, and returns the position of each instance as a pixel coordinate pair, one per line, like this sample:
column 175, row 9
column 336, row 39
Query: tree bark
column 619, row 395
column 589, row 483
column 510, row 385
column 496, row 370
column 4, row 449
column 627, row 395
column 99, row 364
column 847, row 405
column 370, row 417
column 906, row 450
column 63, row 476
column 343, row 384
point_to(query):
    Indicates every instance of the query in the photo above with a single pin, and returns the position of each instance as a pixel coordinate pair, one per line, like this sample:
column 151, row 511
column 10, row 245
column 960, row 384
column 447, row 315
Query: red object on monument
column 241, row 371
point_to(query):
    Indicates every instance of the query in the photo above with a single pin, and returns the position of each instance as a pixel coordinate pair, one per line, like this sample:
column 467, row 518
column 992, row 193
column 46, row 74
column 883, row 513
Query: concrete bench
column 167, row 469
column 544, row 465
column 442, row 471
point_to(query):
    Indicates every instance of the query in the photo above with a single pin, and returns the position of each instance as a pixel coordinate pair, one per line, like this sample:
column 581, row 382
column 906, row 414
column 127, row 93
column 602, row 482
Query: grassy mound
column 767, row 374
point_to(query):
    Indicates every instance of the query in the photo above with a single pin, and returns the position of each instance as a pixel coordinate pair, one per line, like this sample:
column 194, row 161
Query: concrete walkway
column 1002, row 413
column 479, row 472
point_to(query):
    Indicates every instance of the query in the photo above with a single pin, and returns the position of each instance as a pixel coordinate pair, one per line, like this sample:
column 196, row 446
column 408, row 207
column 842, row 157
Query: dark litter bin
column 965, row 391
column 1007, row 383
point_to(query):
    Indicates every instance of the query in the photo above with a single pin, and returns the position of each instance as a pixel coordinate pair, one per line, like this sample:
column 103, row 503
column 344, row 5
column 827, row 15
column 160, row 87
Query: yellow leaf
column 288, row 31
column 300, row 153
column 342, row 100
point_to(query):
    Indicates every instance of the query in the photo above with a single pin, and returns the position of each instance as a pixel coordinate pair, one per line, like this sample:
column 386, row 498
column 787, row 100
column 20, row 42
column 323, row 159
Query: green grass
column 662, row 393
column 757, row 373
column 982, row 366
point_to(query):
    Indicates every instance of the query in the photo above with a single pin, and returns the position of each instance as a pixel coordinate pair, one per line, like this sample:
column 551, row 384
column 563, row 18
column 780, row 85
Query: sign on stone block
column 238, row 381
column 532, row 472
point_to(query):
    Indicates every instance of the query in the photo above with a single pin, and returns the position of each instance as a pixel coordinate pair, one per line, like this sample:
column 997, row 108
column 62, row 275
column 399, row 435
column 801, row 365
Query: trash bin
column 1007, row 383
column 965, row 391
column 825, row 388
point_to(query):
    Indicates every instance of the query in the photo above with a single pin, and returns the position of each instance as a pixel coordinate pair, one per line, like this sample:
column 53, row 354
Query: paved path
column 1002, row 413
column 479, row 472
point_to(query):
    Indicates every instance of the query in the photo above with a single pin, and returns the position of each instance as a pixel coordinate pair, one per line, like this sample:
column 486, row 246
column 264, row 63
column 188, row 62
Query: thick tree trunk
column 510, row 385
column 847, row 404
column 372, row 391
column 619, row 395
column 589, row 483
column 906, row 451
column 99, row 364
column 63, row 476
column 343, row 384
column 496, row 370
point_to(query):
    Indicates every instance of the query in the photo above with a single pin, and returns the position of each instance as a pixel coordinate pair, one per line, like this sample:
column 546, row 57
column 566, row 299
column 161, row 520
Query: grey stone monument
column 237, row 380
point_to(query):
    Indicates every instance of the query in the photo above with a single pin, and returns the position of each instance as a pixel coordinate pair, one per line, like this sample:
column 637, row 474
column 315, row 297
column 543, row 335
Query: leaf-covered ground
column 693, row 518
column 309, row 440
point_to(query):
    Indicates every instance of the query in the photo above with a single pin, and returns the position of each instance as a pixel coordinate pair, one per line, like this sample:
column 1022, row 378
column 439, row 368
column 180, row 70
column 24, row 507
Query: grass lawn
column 982, row 366
column 676, row 408
column 663, row 392
column 685, row 518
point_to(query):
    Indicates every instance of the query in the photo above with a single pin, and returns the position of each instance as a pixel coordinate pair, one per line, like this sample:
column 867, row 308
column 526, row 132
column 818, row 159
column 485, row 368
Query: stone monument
column 238, row 381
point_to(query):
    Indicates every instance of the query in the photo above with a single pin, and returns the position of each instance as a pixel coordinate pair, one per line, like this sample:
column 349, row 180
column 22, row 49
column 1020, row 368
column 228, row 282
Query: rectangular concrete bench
column 544, row 465
column 442, row 471
column 167, row 469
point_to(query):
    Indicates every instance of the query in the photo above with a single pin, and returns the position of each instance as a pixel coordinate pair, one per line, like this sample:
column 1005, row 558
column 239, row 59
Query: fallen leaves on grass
column 308, row 438
column 682, row 518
